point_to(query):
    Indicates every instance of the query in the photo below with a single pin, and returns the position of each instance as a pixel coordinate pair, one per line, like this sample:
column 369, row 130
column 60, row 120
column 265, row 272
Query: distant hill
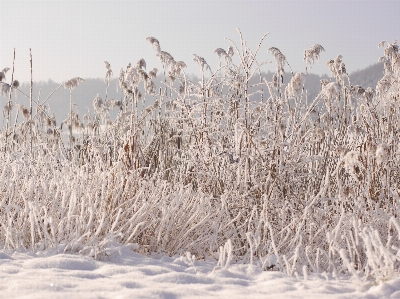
column 369, row 76
column 84, row 94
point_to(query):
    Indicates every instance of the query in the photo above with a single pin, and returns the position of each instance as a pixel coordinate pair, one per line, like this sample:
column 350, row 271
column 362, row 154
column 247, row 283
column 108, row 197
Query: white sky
column 73, row 38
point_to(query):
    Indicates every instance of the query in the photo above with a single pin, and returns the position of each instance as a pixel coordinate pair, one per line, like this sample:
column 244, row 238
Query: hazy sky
column 73, row 38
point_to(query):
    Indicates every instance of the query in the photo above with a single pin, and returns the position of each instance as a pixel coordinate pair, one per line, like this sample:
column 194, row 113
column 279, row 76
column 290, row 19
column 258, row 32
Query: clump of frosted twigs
column 288, row 183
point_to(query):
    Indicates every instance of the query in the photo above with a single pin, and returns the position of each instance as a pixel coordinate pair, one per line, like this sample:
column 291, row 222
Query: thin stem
column 9, row 102
column 31, row 97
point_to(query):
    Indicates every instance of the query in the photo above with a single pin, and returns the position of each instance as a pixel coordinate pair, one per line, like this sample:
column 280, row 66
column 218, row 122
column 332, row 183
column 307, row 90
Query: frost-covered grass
column 259, row 174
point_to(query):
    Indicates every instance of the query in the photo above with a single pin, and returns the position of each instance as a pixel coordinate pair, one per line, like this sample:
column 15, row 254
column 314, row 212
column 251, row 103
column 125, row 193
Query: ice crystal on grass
column 227, row 55
column 231, row 166
column 312, row 54
column 73, row 83
column 4, row 89
column 280, row 60
column 141, row 64
column 97, row 103
column 3, row 74
column 153, row 73
column 331, row 90
column 108, row 72
column 155, row 43
column 15, row 84
column 201, row 62
column 295, row 86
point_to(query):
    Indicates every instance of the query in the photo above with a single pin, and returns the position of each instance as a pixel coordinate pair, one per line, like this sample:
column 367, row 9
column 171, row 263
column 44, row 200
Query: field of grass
column 253, row 172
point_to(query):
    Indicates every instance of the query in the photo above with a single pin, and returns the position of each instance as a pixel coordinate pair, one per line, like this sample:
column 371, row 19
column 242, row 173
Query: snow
column 122, row 273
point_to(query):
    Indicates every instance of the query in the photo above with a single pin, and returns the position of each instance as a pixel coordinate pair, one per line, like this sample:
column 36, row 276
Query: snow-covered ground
column 126, row 274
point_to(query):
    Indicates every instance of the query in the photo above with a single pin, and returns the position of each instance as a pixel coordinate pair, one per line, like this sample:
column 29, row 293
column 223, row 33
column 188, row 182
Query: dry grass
column 218, row 168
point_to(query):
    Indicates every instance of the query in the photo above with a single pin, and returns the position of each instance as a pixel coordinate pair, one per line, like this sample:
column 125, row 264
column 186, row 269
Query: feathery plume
column 97, row 103
column 230, row 51
column 4, row 88
column 280, row 60
column 131, row 76
column 7, row 108
column 384, row 84
column 15, row 84
column 150, row 87
column 121, row 78
column 368, row 94
column 143, row 75
column 180, row 64
column 141, row 64
column 108, row 72
column 154, row 43
column 312, row 53
column 220, row 52
column 331, row 90
column 171, row 77
column 295, row 86
column 182, row 88
column 3, row 73
column 165, row 57
column 381, row 44
column 25, row 111
column 201, row 61
column 153, row 73
column 74, row 82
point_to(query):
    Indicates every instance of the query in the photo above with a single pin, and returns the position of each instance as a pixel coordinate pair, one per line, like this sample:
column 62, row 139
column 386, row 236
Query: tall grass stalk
column 218, row 168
